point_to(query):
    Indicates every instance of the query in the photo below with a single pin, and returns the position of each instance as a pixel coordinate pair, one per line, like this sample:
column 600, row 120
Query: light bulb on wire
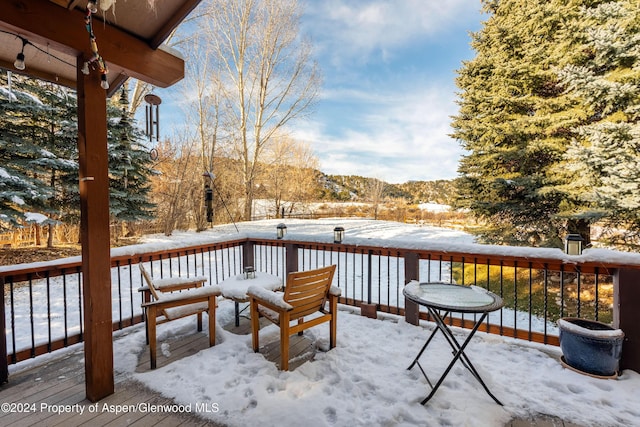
column 19, row 63
column 104, row 83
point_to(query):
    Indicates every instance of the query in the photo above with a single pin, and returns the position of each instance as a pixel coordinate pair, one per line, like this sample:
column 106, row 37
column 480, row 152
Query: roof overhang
column 128, row 35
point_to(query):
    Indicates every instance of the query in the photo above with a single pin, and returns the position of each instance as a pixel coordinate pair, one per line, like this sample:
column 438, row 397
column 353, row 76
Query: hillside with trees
column 360, row 189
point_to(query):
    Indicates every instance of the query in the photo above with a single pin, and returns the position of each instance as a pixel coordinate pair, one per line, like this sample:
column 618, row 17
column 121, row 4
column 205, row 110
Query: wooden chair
column 305, row 294
column 193, row 298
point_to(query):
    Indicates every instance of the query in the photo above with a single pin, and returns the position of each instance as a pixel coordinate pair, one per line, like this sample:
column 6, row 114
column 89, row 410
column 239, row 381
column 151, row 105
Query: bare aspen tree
column 291, row 174
column 204, row 115
column 375, row 192
column 268, row 76
column 172, row 186
column 138, row 88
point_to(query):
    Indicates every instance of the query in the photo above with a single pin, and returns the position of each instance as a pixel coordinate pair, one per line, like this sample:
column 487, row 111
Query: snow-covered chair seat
column 305, row 294
column 193, row 298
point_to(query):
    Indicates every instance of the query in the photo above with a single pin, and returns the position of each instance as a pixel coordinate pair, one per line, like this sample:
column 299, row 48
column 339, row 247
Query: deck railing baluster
column 48, row 281
column 65, row 310
column 515, row 298
column 31, row 322
column 597, row 293
column 578, row 292
column 356, row 264
column 119, row 294
column 546, row 301
column 13, row 322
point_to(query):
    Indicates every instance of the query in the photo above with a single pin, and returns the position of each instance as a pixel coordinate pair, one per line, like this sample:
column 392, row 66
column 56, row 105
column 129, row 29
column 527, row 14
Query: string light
column 19, row 64
column 103, row 82
column 92, row 6
column 96, row 61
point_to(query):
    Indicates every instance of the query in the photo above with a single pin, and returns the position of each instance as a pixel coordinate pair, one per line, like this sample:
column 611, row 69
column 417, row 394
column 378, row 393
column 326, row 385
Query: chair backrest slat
column 149, row 280
column 152, row 288
column 307, row 291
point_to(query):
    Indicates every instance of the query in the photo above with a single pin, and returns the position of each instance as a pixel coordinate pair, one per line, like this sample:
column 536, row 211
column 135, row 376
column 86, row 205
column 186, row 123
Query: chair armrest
column 269, row 297
column 169, row 284
column 188, row 295
column 335, row 291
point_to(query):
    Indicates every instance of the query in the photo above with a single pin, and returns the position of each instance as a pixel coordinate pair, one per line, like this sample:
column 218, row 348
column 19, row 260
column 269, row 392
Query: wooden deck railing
column 42, row 302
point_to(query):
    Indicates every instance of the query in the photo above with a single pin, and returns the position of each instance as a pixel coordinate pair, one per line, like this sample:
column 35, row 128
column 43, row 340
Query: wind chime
column 152, row 110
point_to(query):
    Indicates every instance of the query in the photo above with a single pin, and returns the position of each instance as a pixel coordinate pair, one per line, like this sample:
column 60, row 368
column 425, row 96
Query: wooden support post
column 411, row 272
column 291, row 263
column 368, row 309
column 94, row 235
column 248, row 259
column 626, row 315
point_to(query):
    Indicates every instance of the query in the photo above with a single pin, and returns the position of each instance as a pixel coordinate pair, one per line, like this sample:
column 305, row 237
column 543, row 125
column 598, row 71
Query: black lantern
column 249, row 272
column 338, row 234
column 281, row 230
column 573, row 244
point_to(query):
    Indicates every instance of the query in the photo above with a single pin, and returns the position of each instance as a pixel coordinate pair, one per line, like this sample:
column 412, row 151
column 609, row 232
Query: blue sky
column 388, row 89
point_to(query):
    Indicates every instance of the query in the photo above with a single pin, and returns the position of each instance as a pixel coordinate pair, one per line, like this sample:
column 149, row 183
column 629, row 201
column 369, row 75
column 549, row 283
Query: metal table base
column 458, row 351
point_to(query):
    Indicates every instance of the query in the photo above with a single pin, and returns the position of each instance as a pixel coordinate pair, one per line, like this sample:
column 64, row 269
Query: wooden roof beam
column 44, row 21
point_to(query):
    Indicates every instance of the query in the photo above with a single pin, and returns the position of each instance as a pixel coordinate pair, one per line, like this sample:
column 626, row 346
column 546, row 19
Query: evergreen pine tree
column 61, row 125
column 24, row 160
column 129, row 166
column 603, row 161
column 39, row 155
column 515, row 121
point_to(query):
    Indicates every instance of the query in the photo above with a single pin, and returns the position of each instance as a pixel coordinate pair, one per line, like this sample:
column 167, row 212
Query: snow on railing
column 43, row 301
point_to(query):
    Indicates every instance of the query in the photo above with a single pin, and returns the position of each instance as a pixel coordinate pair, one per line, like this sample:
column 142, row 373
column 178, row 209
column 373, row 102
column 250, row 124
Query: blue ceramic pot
column 590, row 346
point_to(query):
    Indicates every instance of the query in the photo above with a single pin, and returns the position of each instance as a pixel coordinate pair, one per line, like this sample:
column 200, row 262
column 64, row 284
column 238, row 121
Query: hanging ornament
column 106, row 4
column 96, row 61
column 9, row 86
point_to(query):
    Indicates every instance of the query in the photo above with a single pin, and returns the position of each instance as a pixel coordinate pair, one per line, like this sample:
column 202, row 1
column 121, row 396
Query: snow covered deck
column 363, row 381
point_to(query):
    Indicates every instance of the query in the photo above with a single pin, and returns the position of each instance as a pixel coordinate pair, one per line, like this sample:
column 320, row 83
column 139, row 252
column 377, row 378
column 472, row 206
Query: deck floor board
column 60, row 381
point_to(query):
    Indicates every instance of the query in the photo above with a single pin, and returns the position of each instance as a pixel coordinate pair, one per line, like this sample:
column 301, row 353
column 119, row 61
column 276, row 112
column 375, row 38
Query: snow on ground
column 434, row 207
column 364, row 380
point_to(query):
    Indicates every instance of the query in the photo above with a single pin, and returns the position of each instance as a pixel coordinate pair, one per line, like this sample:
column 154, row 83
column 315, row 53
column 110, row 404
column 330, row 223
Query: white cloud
column 399, row 138
column 349, row 30
column 386, row 107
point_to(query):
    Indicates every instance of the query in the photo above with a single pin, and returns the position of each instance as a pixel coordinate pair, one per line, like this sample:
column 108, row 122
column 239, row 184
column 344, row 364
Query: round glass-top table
column 235, row 288
column 442, row 299
column 458, row 298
